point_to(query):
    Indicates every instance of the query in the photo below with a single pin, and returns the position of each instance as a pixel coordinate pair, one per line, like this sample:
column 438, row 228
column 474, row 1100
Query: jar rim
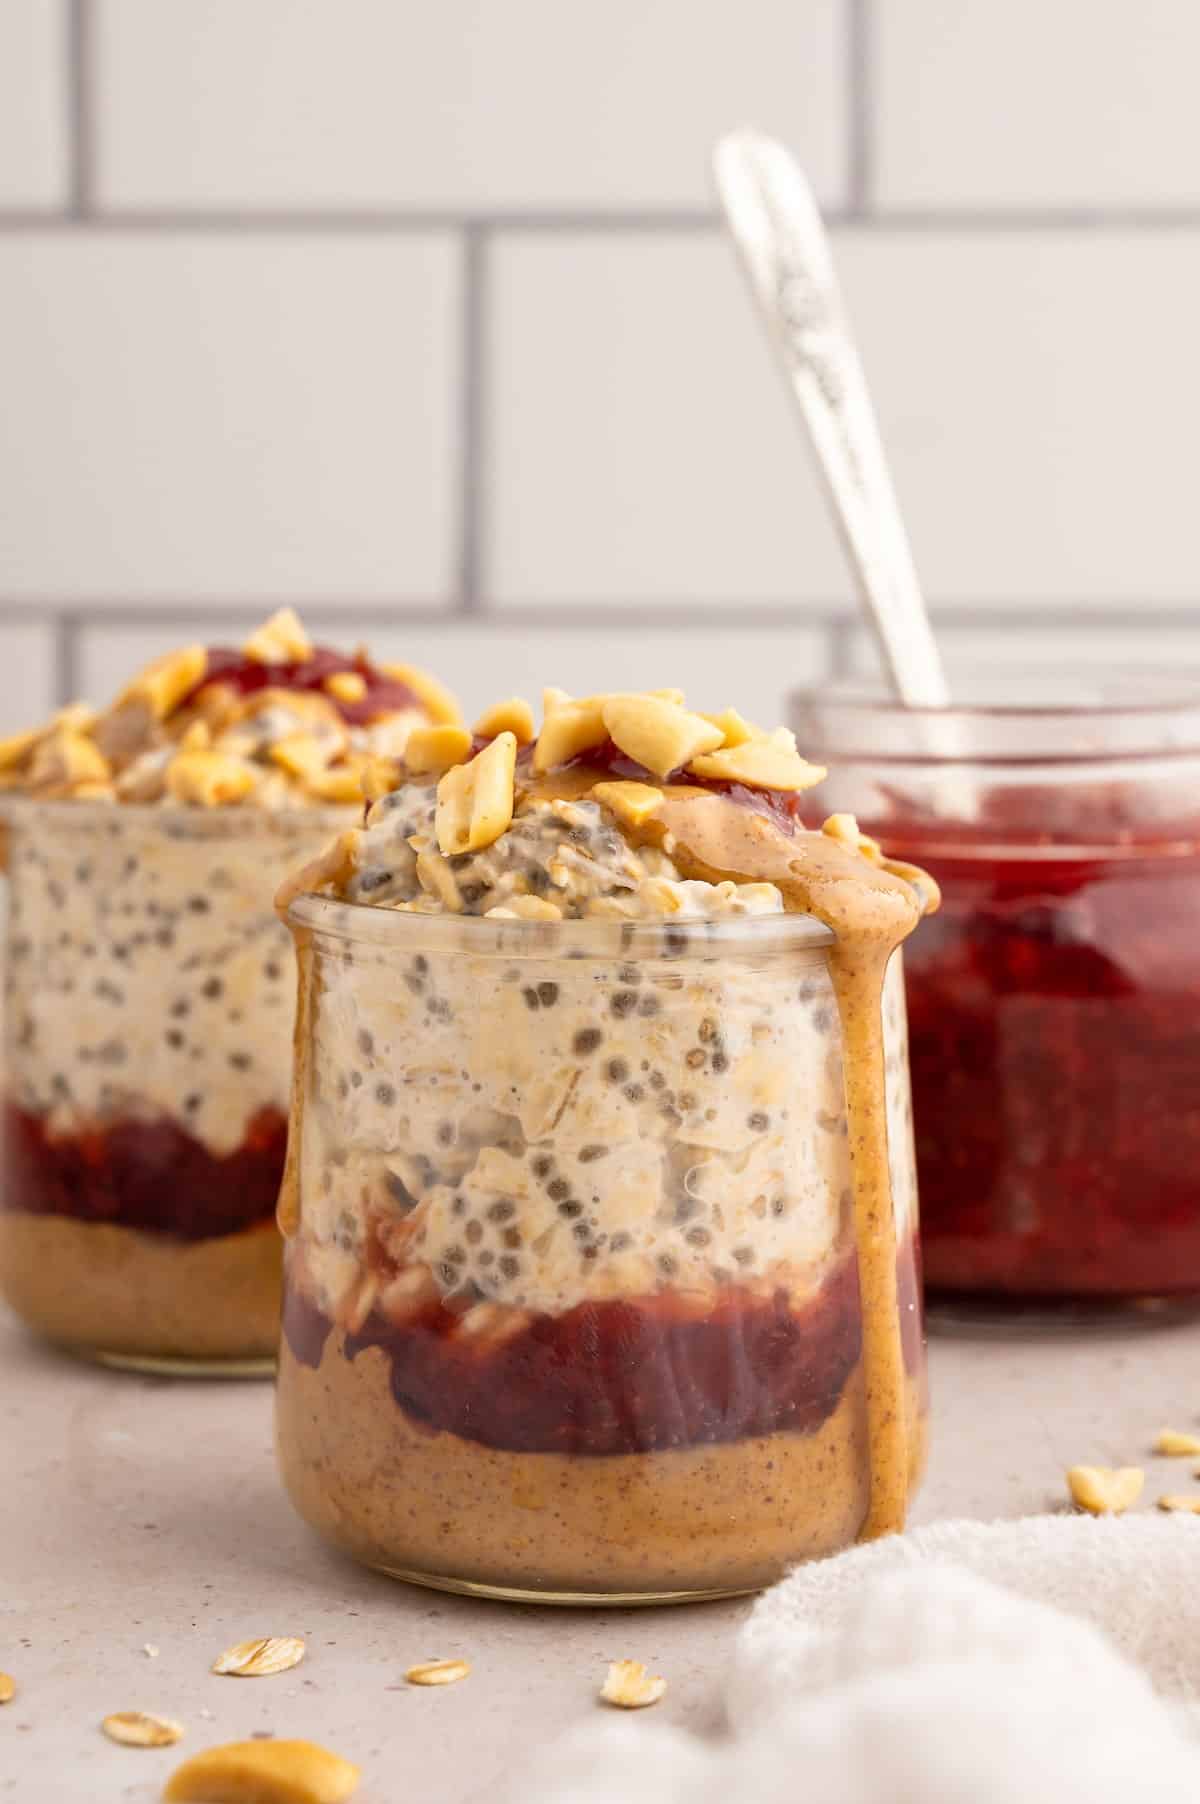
column 1016, row 716
column 594, row 937
column 18, row 808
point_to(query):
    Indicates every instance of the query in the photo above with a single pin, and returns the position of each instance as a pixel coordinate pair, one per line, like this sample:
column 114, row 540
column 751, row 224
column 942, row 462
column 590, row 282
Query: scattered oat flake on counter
column 630, row 1687
column 438, row 1672
column 1186, row 1506
column 1176, row 1445
column 8, row 1688
column 142, row 1729
column 1105, row 1490
column 256, row 1659
column 263, row 1772
column 151, row 1652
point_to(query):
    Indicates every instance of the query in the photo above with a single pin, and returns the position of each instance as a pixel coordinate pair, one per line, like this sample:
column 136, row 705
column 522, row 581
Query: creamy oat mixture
column 147, row 974
column 536, row 1129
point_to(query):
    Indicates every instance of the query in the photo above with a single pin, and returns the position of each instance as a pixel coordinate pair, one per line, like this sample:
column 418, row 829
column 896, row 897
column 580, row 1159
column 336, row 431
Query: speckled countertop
column 136, row 1511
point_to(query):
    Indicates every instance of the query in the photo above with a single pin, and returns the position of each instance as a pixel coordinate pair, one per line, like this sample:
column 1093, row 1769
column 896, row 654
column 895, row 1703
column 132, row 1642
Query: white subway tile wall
column 523, row 105
column 1022, row 104
column 34, row 138
column 422, row 318
column 227, row 417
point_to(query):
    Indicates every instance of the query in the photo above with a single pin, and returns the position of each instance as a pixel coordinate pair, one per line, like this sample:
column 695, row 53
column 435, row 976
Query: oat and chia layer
column 150, row 987
column 569, row 1130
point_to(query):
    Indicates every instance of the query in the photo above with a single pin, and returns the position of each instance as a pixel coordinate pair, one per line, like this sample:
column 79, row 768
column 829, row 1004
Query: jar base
column 175, row 1365
column 968, row 1313
column 585, row 1600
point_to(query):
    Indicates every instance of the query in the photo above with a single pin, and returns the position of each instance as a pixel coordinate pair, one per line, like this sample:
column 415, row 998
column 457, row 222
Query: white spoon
column 785, row 252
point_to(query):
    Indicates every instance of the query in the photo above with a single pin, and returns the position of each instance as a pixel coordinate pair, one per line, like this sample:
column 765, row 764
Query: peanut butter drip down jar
column 600, row 1275
column 150, row 987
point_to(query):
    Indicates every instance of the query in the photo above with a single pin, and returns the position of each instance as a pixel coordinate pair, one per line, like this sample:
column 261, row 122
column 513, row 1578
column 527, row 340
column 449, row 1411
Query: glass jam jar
column 1054, row 1002
column 572, row 1300
column 149, row 1001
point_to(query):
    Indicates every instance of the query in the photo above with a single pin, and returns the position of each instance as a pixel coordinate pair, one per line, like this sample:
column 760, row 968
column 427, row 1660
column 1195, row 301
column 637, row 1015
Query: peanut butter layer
column 99, row 1288
column 729, row 1517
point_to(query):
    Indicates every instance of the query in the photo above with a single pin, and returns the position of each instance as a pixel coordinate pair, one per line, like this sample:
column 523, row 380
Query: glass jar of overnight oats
column 601, row 1280
column 1055, row 1001
column 149, row 999
column 150, row 992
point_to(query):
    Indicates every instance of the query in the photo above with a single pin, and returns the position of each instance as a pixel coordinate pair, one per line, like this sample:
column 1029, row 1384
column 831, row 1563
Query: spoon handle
column 785, row 252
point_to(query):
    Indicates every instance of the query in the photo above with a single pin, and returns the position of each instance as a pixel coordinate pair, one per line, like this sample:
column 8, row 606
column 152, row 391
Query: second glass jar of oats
column 150, row 990
column 600, row 1279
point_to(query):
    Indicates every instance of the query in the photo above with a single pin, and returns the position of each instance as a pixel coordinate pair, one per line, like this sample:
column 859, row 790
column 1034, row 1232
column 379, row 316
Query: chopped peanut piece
column 68, row 758
column 630, row 1686
column 513, row 716
column 433, row 696
column 164, row 683
column 734, row 730
column 759, row 764
column 344, row 783
column 76, row 717
column 658, row 733
column 568, row 729
column 554, row 698
column 346, row 685
column 210, row 778
column 1176, row 1445
column 280, row 640
column 1105, row 1490
column 14, row 750
column 438, row 1672
column 197, row 738
column 379, row 777
column 632, row 803
column 475, row 800
column 8, row 1688
column 1185, row 1506
column 263, row 1772
column 300, row 754
column 432, row 750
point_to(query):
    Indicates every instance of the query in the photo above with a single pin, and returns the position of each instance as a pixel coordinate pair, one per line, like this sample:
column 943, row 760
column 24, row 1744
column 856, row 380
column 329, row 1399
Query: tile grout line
column 80, row 120
column 66, row 659
column 860, row 100
column 298, row 222
column 77, row 616
column 472, row 417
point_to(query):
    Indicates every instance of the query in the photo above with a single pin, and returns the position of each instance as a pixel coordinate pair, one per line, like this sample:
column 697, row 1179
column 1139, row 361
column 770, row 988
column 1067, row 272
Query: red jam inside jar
column 151, row 1175
column 1054, row 1001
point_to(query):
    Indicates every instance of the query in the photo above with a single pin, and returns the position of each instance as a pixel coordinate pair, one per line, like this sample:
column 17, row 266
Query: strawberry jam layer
column 384, row 695
column 623, row 1376
column 150, row 1175
column 1054, row 1023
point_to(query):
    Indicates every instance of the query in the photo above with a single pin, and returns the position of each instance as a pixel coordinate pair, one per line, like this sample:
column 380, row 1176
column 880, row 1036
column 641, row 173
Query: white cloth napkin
column 1055, row 1658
